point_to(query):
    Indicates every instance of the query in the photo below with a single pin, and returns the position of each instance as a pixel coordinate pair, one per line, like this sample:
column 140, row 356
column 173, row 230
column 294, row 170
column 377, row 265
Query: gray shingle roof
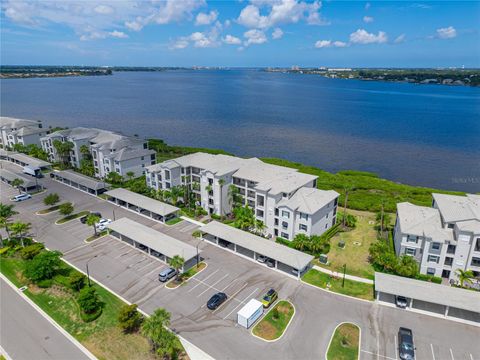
column 10, row 176
column 458, row 208
column 142, row 201
column 309, row 200
column 89, row 182
column 23, row 158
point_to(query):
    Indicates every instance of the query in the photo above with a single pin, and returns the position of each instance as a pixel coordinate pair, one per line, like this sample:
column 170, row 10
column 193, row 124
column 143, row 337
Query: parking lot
column 134, row 275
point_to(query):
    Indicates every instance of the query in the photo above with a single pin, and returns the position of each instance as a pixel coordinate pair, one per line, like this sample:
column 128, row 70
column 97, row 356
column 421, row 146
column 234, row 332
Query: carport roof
column 153, row 239
column 81, row 179
column 427, row 291
column 281, row 253
column 142, row 201
column 28, row 160
column 10, row 176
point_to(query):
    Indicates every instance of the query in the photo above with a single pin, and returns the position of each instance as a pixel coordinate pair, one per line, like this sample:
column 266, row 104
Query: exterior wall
column 321, row 221
column 136, row 165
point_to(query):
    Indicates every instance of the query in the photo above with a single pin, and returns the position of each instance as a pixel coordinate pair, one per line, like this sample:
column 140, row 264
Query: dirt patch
column 350, row 333
column 266, row 330
column 284, row 309
column 58, row 291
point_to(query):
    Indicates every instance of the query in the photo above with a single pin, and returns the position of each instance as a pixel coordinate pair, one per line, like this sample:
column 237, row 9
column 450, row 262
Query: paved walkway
column 192, row 221
column 349, row 277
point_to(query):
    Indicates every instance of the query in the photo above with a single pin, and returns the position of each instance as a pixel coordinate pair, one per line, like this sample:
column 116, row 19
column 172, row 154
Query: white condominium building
column 443, row 238
column 111, row 151
column 19, row 131
column 285, row 200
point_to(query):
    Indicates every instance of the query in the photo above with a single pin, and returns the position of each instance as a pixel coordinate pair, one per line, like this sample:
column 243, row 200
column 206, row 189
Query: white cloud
column 180, row 44
column 207, row 39
column 118, row 34
column 103, row 9
column 279, row 12
column 447, row 33
column 399, row 39
column 254, row 36
column 367, row 19
column 328, row 43
column 231, row 40
column 361, row 36
column 206, row 19
column 277, row 34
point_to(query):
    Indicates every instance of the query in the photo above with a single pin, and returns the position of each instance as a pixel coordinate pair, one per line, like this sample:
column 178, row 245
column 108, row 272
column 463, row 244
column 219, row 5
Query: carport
column 251, row 246
column 79, row 181
column 153, row 242
column 154, row 209
column 8, row 176
column 451, row 302
column 24, row 160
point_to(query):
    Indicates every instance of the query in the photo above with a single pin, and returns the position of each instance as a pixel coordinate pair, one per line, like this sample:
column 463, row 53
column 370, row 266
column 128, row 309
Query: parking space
column 77, row 229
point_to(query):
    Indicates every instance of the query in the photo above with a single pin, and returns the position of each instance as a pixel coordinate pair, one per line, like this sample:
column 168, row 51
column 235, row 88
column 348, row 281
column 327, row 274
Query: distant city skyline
column 258, row 33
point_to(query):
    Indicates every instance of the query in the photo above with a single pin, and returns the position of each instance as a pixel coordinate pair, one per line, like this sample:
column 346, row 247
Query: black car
column 406, row 349
column 216, row 300
column 83, row 219
column 401, row 301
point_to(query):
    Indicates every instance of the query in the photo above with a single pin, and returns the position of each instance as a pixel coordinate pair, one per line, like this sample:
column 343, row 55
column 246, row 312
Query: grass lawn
column 357, row 243
column 71, row 217
column 345, row 343
column 352, row 288
column 101, row 336
column 49, row 210
column 271, row 328
column 95, row 237
column 173, row 284
column 173, row 221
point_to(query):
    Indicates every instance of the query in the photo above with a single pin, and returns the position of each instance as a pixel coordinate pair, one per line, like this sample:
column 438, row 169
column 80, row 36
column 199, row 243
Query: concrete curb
column 349, row 277
column 286, row 327
column 359, row 338
column 335, row 293
column 49, row 319
column 186, row 281
column 4, row 353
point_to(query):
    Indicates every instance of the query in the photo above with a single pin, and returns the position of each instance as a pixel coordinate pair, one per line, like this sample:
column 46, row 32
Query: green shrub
column 197, row 233
column 129, row 319
column 43, row 266
column 45, row 283
column 89, row 301
column 30, row 251
column 76, row 281
column 51, row 199
column 4, row 250
column 350, row 220
column 215, row 217
column 429, row 278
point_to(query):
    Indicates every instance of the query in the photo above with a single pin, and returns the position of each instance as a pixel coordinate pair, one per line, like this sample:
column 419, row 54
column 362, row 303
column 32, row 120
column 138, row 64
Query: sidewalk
column 192, row 220
column 349, row 277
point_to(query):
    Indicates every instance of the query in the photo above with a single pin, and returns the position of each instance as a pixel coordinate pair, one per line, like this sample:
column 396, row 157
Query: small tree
column 177, row 263
column 51, row 199
column 464, row 276
column 275, row 313
column 130, row 175
column 6, row 212
column 92, row 220
column 43, row 266
column 19, row 230
column 17, row 183
column 114, row 178
column 77, row 281
column 30, row 251
column 66, row 209
column 89, row 301
column 163, row 342
column 301, row 242
column 129, row 319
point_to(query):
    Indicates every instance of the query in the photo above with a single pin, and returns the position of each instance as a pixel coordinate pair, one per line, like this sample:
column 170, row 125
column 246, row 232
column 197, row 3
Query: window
column 303, row 216
column 167, row 175
column 276, row 222
column 410, row 251
column 334, row 211
column 303, row 227
column 284, row 195
column 326, row 217
column 260, row 213
column 285, row 214
column 143, row 157
column 451, row 226
column 477, row 245
column 284, row 235
column 431, row 271
column 276, row 212
column 167, row 185
column 433, row 258
column 475, row 261
column 284, row 224
column 412, row 238
column 260, row 200
column 435, row 246
column 326, row 226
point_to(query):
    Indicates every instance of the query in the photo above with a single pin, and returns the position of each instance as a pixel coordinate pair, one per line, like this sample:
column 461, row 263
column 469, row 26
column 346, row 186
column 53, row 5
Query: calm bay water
column 418, row 134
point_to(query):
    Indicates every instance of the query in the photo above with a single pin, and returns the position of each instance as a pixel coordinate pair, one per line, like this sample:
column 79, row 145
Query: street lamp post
column 344, row 271
column 88, row 273
column 198, row 255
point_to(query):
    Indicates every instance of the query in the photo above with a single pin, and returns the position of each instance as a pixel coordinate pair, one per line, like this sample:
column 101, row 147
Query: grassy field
column 271, row 328
column 102, row 336
column 357, row 242
column 351, row 288
column 173, row 221
column 49, row 210
column 95, row 237
column 345, row 343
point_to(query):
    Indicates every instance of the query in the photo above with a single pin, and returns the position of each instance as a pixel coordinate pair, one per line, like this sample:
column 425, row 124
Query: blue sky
column 241, row 33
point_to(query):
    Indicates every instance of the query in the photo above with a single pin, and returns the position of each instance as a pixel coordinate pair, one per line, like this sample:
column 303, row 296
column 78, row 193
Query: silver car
column 167, row 274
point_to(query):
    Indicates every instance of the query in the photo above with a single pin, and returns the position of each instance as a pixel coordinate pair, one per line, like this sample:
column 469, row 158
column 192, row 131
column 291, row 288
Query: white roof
column 309, row 200
column 291, row 257
column 250, row 308
column 81, row 179
column 458, row 208
column 9, row 122
column 10, row 176
column 422, row 221
column 153, row 239
column 142, row 201
column 23, row 158
column 428, row 291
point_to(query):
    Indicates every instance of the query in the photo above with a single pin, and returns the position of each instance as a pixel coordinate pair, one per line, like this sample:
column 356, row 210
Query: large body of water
column 418, row 134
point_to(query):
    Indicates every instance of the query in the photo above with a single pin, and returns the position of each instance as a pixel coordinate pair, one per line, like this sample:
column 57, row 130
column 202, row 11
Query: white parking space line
column 451, row 354
column 241, row 303
column 433, row 354
column 471, row 357
column 377, row 355
column 201, row 281
column 212, row 286
column 396, row 346
column 128, row 252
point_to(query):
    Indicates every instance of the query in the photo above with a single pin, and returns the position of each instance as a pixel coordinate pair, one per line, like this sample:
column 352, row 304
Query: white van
column 22, row 197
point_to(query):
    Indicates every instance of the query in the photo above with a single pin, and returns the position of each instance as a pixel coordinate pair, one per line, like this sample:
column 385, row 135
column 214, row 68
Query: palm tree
column 244, row 218
column 175, row 194
column 464, row 276
column 259, row 226
column 3, row 225
column 301, row 242
column 6, row 212
column 221, row 182
column 154, row 327
column 19, row 230
column 16, row 183
column 63, row 150
column 92, row 220
column 233, row 194
column 85, row 151
column 177, row 263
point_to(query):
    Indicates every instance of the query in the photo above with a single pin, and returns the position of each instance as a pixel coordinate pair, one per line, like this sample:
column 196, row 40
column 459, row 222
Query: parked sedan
column 270, row 263
column 261, row 259
column 401, row 302
column 216, row 300
column 22, row 197
column 406, row 349
column 269, row 298
column 102, row 224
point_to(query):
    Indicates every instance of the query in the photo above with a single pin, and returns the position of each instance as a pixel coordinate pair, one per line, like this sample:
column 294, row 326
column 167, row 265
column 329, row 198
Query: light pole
column 88, row 273
column 344, row 270
column 198, row 256
column 113, row 214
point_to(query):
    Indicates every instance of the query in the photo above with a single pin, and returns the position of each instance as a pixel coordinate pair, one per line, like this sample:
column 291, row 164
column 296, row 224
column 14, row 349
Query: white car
column 102, row 224
column 22, row 197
